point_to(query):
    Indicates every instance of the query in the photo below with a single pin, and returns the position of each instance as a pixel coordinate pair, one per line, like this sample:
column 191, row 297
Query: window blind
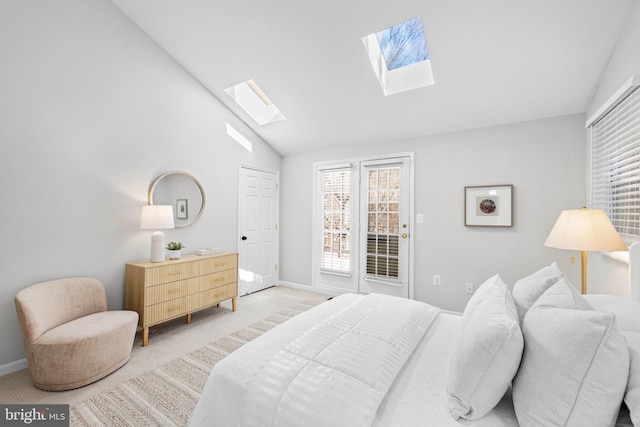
column 336, row 212
column 615, row 166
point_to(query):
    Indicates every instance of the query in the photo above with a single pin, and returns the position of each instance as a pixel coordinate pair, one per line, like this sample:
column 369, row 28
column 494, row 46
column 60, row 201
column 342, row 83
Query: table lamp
column 584, row 230
column 157, row 217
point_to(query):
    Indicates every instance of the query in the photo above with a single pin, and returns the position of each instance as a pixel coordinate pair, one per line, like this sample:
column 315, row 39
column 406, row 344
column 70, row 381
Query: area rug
column 167, row 395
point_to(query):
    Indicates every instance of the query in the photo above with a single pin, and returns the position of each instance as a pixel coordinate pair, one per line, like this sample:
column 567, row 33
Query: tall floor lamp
column 157, row 217
column 584, row 230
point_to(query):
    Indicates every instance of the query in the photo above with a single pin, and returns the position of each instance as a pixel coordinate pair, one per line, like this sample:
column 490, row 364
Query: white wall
column 543, row 159
column 623, row 63
column 91, row 111
column 604, row 274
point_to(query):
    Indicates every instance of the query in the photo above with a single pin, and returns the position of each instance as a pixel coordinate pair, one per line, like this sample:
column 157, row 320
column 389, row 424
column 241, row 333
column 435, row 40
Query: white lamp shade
column 156, row 217
column 585, row 230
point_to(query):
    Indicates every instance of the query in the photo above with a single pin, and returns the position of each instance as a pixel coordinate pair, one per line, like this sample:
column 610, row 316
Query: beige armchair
column 71, row 340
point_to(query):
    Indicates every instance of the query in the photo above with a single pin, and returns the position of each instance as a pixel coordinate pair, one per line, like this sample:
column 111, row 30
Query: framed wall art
column 182, row 211
column 488, row 206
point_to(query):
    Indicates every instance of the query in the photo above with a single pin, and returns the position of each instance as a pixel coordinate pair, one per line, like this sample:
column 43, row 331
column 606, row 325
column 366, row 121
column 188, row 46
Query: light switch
column 419, row 218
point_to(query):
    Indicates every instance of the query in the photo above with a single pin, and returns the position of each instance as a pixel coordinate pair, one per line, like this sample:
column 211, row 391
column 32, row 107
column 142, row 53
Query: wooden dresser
column 161, row 291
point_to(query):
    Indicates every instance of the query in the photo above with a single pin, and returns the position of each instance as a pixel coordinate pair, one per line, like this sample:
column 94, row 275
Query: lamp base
column 583, row 257
column 157, row 246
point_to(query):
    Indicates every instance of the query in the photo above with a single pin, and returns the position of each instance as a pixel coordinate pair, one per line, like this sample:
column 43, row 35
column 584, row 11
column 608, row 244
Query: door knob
column 405, row 235
column 244, row 237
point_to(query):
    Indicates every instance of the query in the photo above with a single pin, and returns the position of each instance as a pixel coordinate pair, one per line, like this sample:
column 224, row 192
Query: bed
column 538, row 355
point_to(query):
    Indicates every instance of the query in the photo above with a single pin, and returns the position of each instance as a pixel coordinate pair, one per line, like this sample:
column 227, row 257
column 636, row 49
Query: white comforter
column 356, row 352
column 417, row 397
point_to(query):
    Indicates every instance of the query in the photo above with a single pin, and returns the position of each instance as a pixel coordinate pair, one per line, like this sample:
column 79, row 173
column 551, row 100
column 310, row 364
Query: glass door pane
column 384, row 231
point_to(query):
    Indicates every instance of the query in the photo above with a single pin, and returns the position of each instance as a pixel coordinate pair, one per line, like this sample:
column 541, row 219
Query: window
column 615, row 161
column 336, row 212
column 399, row 57
column 255, row 102
column 403, row 44
column 383, row 222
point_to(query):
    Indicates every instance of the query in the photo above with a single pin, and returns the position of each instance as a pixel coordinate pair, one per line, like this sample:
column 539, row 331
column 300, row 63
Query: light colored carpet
column 167, row 395
column 170, row 341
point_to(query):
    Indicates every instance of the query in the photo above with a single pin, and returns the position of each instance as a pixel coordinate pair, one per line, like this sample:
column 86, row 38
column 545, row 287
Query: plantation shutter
column 615, row 165
column 336, row 216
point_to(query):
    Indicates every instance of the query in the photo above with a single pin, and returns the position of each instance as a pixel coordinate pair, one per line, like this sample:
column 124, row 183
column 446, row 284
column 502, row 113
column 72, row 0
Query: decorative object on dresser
column 71, row 339
column 161, row 292
column 157, row 217
column 174, row 249
column 584, row 230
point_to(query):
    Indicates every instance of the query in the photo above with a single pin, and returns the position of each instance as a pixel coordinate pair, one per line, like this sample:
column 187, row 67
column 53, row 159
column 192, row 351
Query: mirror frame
column 164, row 175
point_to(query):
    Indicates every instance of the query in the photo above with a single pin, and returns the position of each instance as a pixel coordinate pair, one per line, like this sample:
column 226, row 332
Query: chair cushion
column 47, row 305
column 83, row 350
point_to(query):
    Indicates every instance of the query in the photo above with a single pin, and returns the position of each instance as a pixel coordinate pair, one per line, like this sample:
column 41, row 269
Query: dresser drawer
column 215, row 280
column 169, row 291
column 171, row 273
column 164, row 311
column 212, row 296
column 212, row 265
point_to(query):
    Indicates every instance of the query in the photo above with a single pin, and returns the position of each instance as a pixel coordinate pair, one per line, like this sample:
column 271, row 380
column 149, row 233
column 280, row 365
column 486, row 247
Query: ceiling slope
column 494, row 62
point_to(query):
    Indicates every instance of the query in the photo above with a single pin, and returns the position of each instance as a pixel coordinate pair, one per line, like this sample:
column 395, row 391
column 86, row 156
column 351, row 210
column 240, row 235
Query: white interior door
column 385, row 227
column 258, row 230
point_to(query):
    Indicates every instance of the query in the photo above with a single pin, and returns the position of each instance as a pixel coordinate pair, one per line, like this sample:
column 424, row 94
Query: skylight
column 255, row 102
column 403, row 44
column 399, row 57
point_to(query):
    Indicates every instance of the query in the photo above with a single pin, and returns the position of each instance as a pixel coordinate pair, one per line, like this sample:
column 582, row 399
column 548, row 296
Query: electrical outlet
column 436, row 280
column 469, row 288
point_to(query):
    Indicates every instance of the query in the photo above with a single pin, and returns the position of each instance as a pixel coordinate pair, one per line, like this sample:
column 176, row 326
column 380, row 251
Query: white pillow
column 490, row 285
column 627, row 312
column 527, row 290
column 632, row 395
column 487, row 355
column 575, row 363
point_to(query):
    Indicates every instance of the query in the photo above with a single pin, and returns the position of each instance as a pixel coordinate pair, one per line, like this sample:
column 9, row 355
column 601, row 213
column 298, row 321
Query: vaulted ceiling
column 494, row 61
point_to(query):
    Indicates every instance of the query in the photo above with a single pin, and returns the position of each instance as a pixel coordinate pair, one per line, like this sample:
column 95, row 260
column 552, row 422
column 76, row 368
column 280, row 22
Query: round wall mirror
column 182, row 191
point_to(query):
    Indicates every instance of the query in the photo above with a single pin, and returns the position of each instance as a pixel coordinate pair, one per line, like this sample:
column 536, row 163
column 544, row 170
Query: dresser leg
column 145, row 336
column 189, row 318
column 233, row 304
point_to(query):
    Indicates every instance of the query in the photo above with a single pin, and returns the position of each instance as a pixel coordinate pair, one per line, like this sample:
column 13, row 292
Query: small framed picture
column 488, row 206
column 182, row 210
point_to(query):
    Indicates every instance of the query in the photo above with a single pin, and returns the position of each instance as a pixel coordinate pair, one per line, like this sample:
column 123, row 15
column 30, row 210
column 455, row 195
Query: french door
column 363, row 220
column 384, row 227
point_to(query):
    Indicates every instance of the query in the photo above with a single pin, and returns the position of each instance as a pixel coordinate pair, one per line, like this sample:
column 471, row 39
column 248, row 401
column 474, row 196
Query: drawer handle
column 173, row 291
column 173, row 273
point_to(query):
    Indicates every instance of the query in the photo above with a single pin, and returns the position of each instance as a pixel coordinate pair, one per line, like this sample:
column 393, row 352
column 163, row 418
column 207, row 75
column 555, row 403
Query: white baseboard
column 318, row 289
column 12, row 367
